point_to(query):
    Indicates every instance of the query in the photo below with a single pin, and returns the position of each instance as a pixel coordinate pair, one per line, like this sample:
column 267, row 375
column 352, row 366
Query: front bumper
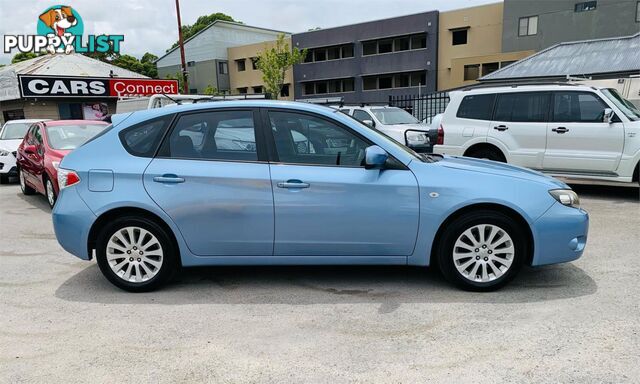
column 72, row 221
column 560, row 235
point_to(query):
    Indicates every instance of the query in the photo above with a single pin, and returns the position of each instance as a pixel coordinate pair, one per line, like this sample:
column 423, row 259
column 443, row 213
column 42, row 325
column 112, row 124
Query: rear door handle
column 168, row 179
column 501, row 127
column 560, row 130
column 293, row 184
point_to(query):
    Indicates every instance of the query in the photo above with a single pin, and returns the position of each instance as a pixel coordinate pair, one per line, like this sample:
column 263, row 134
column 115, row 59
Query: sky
column 150, row 25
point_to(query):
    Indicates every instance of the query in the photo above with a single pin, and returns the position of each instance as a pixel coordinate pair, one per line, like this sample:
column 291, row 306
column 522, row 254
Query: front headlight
column 566, row 197
column 416, row 138
column 4, row 153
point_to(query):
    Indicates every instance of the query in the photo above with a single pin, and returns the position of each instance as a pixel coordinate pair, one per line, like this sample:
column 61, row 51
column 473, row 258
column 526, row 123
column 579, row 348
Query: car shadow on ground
column 36, row 201
column 614, row 194
column 388, row 286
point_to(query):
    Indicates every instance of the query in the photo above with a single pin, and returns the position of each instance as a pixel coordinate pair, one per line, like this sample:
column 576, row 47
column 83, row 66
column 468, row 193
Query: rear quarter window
column 144, row 138
column 477, row 107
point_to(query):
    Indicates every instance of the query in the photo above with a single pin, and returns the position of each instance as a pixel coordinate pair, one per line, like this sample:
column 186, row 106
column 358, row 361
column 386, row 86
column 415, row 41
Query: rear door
column 212, row 178
column 520, row 125
column 578, row 141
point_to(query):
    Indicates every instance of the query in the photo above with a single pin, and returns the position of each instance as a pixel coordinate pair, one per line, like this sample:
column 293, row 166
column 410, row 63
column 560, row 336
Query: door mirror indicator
column 30, row 149
column 375, row 157
column 369, row 123
column 607, row 115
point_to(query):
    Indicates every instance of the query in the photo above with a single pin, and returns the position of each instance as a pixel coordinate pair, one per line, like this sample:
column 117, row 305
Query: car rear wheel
column 482, row 250
column 136, row 254
column 52, row 196
column 487, row 153
column 26, row 189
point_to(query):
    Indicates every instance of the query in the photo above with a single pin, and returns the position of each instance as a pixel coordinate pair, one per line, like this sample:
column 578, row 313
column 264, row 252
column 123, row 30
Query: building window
column 193, row 91
column 505, row 63
column 319, row 55
column 335, row 52
column 241, row 65
column 395, row 80
column 328, row 86
column 638, row 11
column 347, row 51
column 397, row 44
column 471, row 72
column 254, row 63
column 488, row 68
column 586, row 6
column 459, row 37
column 257, row 89
column 223, row 67
column 242, row 90
column 528, row 26
column 284, row 92
column 191, row 63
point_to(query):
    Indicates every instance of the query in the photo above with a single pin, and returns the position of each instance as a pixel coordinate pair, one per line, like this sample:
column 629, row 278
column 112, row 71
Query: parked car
column 11, row 136
column 397, row 124
column 147, row 197
column 566, row 130
column 44, row 146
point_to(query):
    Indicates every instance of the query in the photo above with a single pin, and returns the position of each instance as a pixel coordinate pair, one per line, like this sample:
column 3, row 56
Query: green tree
column 210, row 90
column 200, row 24
column 22, row 56
column 275, row 62
column 177, row 76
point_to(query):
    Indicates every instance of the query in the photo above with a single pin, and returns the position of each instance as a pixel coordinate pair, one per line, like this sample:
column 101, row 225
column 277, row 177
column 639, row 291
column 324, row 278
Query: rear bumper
column 560, row 235
column 72, row 220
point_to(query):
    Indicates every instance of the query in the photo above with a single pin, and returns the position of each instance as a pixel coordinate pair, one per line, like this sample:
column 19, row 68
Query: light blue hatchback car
column 284, row 183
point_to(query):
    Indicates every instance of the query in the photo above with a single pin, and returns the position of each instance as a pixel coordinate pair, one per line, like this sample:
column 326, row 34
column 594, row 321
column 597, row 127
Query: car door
column 578, row 140
column 34, row 162
column 212, row 178
column 326, row 202
column 520, row 125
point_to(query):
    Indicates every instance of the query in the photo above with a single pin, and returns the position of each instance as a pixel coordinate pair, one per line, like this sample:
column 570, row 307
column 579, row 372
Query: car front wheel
column 482, row 251
column 136, row 254
column 26, row 189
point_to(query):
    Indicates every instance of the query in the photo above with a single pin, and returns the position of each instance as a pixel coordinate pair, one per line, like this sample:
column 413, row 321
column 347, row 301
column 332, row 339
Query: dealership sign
column 50, row 86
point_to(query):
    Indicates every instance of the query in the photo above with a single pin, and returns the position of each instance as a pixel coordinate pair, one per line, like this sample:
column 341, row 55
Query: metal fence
column 423, row 107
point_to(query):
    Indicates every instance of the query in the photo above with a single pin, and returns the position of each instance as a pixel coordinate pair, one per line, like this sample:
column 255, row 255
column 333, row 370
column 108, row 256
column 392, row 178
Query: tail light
column 440, row 140
column 67, row 178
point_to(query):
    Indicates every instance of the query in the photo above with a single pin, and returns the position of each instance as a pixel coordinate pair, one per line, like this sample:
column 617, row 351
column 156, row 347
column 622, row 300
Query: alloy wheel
column 50, row 193
column 134, row 254
column 23, row 184
column 483, row 253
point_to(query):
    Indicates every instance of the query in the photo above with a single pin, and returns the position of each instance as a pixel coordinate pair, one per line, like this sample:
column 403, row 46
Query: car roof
column 22, row 121
column 57, row 123
column 483, row 89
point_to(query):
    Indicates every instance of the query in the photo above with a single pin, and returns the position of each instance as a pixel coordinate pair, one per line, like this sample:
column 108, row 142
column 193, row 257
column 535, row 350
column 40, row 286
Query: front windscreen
column 14, row 131
column 394, row 116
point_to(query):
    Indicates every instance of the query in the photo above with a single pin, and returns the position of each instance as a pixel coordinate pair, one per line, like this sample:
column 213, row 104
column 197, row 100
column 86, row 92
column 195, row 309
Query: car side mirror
column 30, row 149
column 375, row 157
column 607, row 115
column 369, row 123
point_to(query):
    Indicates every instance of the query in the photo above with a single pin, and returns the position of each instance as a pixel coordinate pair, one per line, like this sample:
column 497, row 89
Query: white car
column 396, row 123
column 576, row 132
column 11, row 136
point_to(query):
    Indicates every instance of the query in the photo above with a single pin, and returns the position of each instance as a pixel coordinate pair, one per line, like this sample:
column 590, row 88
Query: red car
column 42, row 149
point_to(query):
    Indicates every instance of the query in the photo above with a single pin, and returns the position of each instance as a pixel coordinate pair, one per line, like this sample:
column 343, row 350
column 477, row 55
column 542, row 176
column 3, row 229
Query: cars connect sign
column 49, row 86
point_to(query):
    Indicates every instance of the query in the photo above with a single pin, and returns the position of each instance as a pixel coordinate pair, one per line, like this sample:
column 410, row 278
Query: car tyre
column 487, row 153
column 4, row 179
column 482, row 251
column 26, row 189
column 136, row 254
column 50, row 192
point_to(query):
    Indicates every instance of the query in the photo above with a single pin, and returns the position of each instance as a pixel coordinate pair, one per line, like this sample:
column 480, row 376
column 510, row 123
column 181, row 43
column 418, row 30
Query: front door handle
column 560, row 130
column 501, row 127
column 293, row 183
column 168, row 179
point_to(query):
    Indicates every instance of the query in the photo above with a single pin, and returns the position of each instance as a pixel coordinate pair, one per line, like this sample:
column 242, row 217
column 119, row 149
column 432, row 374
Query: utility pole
column 185, row 74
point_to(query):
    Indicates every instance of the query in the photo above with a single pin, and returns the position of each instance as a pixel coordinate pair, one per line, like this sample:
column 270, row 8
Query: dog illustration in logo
column 59, row 20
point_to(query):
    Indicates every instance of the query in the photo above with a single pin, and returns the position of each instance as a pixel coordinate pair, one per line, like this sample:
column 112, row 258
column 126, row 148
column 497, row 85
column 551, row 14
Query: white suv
column 396, row 123
column 566, row 130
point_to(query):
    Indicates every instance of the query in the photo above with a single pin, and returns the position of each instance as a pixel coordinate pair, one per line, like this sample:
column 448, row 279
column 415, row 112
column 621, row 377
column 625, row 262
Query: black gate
column 422, row 107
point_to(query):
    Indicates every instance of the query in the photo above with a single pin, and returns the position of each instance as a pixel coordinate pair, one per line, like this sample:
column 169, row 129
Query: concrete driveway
column 61, row 321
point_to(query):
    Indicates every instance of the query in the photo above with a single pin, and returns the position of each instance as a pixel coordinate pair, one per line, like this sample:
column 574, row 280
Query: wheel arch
column 508, row 211
column 636, row 173
column 485, row 145
column 129, row 211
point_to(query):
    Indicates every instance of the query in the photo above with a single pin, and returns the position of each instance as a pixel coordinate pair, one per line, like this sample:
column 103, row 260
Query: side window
column 531, row 107
column 213, row 135
column 479, row 107
column 143, row 139
column 306, row 139
column 577, row 107
column 361, row 115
